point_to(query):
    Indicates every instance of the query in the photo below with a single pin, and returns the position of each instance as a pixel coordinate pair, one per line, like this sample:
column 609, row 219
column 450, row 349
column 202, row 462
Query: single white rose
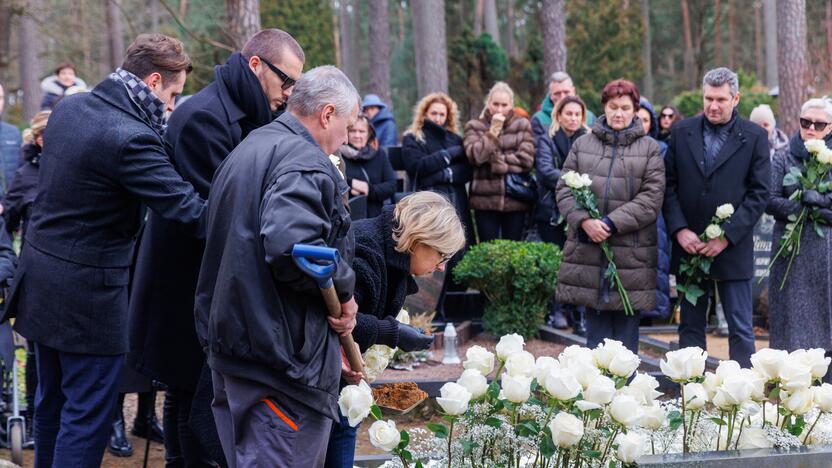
column 814, row 358
column 600, row 390
column 508, row 345
column 630, row 447
column 825, row 156
column 769, row 362
column 758, row 392
column 562, row 385
column 574, row 353
column 376, row 360
column 754, row 438
column 647, row 385
column 355, row 402
column 684, row 364
column 653, row 418
column 384, row 435
column 571, row 179
column 586, row 180
column 798, row 402
column 624, row 363
column 585, row 406
column 795, row 375
column 726, row 368
column 474, row 382
column 724, row 211
column 479, row 359
column 823, row 397
column 626, row 410
column 713, row 231
column 567, row 430
column 517, row 389
column 815, row 145
column 403, row 317
column 604, row 352
column 734, row 392
column 543, row 366
column 711, row 383
column 584, row 371
column 695, row 396
column 454, row 398
column 520, row 363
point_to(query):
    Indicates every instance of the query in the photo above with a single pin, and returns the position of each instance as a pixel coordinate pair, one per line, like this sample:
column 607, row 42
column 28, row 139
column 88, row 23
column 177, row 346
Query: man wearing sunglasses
column 244, row 96
column 713, row 159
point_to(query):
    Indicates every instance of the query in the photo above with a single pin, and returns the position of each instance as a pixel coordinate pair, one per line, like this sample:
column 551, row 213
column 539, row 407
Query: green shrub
column 517, row 280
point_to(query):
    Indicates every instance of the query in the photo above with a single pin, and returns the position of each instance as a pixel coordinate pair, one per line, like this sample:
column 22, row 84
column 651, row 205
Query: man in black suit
column 104, row 159
column 716, row 158
column 203, row 131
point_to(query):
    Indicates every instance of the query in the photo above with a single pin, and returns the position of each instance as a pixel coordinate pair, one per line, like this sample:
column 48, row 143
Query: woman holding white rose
column 626, row 172
column 800, row 315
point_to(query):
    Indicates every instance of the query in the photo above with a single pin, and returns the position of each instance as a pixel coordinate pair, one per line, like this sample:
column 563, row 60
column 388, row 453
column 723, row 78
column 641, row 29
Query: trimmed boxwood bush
column 517, row 280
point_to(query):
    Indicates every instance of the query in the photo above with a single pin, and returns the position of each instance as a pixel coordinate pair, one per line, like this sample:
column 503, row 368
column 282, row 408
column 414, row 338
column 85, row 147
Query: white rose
column 520, row 363
column 630, row 447
column 684, row 364
column 543, row 366
column 600, row 390
column 604, row 352
column 376, row 359
column 508, row 345
column 814, row 145
column 562, row 385
column 403, row 317
column 474, row 382
column 726, row 368
column 724, row 211
column 567, row 430
column 626, row 410
column 571, row 179
column 479, row 359
column 711, row 383
column 695, row 396
column 584, row 405
column 335, row 160
column 586, row 180
column 769, row 362
column 574, row 353
column 517, row 389
column 758, row 392
column 355, row 402
column 713, row 231
column 814, row 358
column 454, row 398
column 385, row 435
column 754, row 438
column 795, row 375
column 624, row 363
column 823, row 397
column 825, row 156
column 647, row 385
column 653, row 418
column 584, row 371
column 798, row 402
column 734, row 392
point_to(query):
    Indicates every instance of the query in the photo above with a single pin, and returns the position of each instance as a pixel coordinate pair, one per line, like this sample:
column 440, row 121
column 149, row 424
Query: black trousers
column 613, row 324
column 493, row 225
column 182, row 449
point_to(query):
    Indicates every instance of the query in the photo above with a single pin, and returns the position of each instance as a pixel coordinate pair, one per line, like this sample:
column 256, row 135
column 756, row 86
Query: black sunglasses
column 669, row 116
column 807, row 124
column 287, row 82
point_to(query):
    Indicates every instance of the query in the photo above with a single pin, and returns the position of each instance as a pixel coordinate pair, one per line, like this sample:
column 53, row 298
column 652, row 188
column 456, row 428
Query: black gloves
column 413, row 339
column 455, row 151
column 813, row 198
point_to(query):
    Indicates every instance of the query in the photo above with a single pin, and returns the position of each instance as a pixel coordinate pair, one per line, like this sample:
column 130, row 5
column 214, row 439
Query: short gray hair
column 321, row 86
column 823, row 104
column 720, row 76
column 559, row 77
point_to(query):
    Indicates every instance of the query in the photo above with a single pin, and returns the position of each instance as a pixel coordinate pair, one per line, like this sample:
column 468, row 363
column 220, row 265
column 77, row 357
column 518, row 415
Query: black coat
column 259, row 316
column 18, row 201
column 373, row 167
column 549, row 159
column 102, row 163
column 740, row 176
column 382, row 281
column 202, row 131
column 430, row 167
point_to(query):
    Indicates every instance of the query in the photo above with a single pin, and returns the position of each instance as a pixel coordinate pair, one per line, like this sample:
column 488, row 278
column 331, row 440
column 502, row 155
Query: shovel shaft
column 333, row 307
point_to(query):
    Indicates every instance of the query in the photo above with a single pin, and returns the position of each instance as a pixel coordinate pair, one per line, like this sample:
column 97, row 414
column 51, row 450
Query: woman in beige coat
column 628, row 180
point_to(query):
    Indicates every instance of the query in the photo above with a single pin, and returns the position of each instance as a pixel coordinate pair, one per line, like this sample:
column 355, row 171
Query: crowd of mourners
column 157, row 235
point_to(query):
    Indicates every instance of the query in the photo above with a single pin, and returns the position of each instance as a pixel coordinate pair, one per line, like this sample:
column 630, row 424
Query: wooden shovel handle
column 333, row 307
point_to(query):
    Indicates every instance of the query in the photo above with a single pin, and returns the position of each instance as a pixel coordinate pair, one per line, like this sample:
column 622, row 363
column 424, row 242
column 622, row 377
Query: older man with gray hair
column 713, row 159
column 275, row 356
column 560, row 86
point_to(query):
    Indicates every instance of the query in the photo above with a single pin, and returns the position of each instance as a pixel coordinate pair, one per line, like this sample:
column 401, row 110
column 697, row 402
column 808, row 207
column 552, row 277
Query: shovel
column 320, row 264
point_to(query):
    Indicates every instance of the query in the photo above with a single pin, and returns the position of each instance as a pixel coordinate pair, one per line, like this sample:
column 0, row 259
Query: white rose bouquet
column 813, row 177
column 692, row 268
column 579, row 185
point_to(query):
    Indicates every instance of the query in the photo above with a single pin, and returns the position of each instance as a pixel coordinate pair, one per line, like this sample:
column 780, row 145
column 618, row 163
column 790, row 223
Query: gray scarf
column 151, row 106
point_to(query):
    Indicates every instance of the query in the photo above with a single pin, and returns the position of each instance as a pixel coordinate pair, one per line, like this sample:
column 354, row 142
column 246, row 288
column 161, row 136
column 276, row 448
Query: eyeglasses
column 287, row 82
column 445, row 259
column 667, row 116
column 807, row 124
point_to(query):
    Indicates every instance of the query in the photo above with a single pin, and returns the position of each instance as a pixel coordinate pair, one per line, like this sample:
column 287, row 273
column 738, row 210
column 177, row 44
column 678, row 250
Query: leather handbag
column 522, row 187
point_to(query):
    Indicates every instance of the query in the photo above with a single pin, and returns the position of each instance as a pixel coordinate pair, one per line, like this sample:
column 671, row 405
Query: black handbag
column 522, row 187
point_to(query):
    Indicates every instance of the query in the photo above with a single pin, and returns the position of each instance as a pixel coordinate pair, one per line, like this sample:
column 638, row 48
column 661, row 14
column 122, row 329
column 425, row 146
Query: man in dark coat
column 714, row 159
column 273, row 351
column 104, row 159
column 202, row 131
column 387, row 133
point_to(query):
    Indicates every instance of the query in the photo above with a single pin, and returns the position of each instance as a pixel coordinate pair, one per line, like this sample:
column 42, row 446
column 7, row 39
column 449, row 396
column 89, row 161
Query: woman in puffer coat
column 498, row 143
column 628, row 181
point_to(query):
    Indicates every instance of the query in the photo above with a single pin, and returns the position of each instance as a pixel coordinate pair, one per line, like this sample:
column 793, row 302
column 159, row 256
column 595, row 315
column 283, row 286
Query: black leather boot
column 119, row 445
column 556, row 318
column 579, row 327
column 147, row 425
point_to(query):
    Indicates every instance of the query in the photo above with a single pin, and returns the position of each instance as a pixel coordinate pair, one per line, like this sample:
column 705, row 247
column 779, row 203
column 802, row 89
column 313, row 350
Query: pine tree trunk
column 348, row 65
column 770, row 30
column 356, row 47
column 380, row 58
column 759, row 57
column 511, row 42
column 115, row 35
column 31, row 68
column 828, row 32
column 553, row 19
column 5, row 39
column 791, row 61
column 732, row 35
column 688, row 55
column 646, row 49
column 490, row 19
column 718, row 33
column 243, row 20
column 430, row 46
column 479, row 6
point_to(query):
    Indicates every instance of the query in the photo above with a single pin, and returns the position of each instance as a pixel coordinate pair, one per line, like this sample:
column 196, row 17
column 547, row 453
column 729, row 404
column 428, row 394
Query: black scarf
column 564, row 143
column 246, row 92
column 798, row 147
